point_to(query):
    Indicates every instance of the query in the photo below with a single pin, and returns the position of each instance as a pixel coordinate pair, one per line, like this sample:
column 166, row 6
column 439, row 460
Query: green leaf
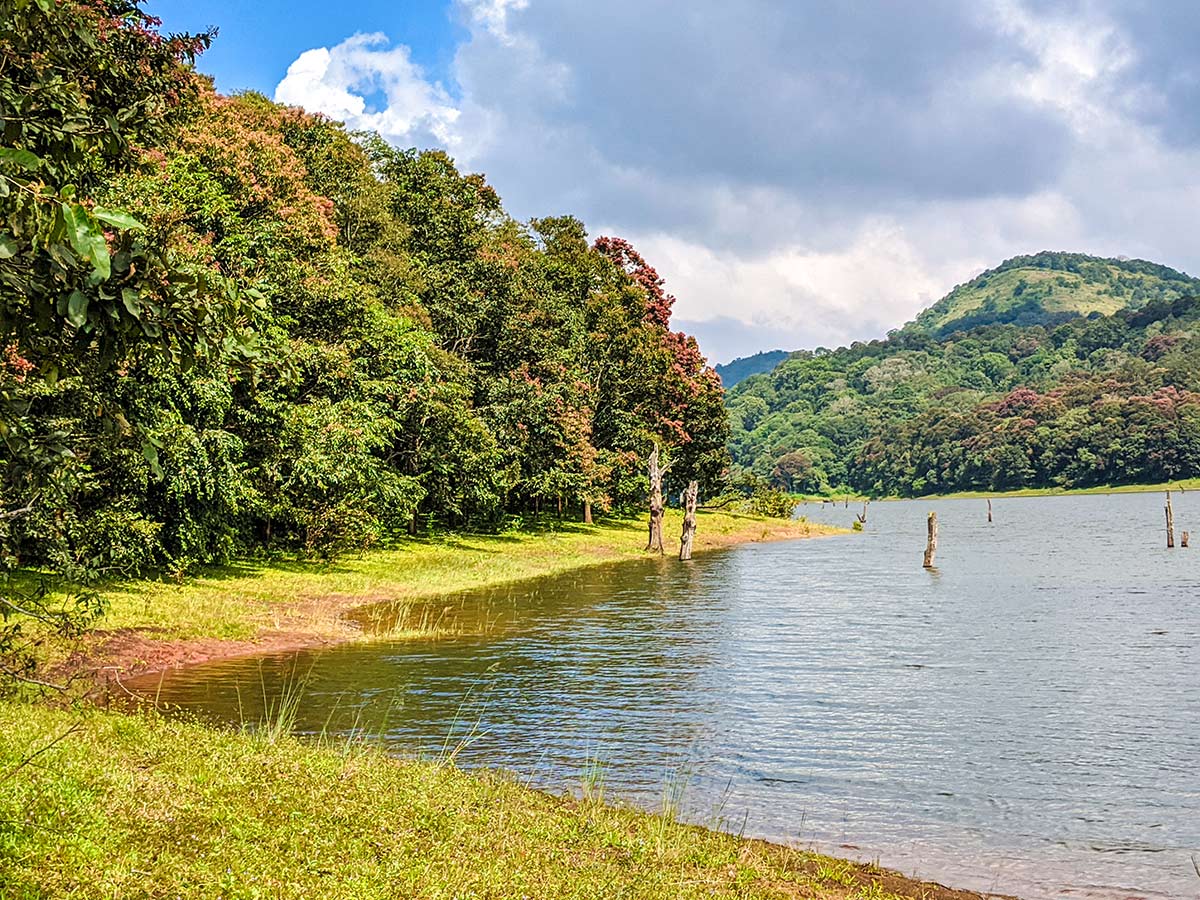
column 77, row 306
column 23, row 158
column 87, row 239
column 132, row 301
column 8, row 246
column 150, row 452
column 117, row 218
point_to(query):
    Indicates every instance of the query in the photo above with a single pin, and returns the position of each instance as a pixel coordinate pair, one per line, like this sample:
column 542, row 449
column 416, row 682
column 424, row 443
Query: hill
column 975, row 396
column 745, row 366
column 1049, row 288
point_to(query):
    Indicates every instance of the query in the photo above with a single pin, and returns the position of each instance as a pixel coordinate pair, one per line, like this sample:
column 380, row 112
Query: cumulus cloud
column 370, row 85
column 809, row 173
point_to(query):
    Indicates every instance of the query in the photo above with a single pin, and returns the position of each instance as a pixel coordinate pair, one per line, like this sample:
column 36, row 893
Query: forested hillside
column 228, row 325
column 1097, row 399
column 744, row 366
column 1050, row 288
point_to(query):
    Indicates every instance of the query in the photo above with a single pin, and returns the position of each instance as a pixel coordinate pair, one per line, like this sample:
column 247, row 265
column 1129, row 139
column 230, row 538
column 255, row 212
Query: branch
column 14, row 513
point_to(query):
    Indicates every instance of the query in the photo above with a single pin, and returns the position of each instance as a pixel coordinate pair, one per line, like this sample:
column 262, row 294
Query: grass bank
column 103, row 805
column 262, row 606
column 1184, row 484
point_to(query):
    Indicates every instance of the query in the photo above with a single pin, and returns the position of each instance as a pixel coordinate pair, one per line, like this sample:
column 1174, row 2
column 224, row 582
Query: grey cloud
column 816, row 97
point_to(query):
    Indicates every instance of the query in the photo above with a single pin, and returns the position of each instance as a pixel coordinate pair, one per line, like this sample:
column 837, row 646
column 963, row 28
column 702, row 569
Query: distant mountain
column 1048, row 288
column 745, row 366
column 1050, row 370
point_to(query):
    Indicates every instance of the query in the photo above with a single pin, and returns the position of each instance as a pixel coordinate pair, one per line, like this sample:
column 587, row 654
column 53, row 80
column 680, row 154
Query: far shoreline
column 1182, row 485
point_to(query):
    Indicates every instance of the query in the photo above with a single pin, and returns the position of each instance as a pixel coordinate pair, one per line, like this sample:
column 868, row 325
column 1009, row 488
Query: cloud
column 813, row 171
column 371, row 86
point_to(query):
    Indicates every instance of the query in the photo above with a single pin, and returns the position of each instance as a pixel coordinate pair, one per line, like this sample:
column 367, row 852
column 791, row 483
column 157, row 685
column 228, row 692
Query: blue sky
column 802, row 173
column 259, row 39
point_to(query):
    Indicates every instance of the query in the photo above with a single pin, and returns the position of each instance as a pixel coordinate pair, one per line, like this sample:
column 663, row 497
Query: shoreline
column 1181, row 485
column 251, row 608
column 158, row 806
column 790, row 871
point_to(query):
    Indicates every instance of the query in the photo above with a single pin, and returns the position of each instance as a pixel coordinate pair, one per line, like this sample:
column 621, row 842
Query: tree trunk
column 989, row 511
column 931, row 542
column 587, row 512
column 688, row 500
column 1170, row 524
column 656, row 503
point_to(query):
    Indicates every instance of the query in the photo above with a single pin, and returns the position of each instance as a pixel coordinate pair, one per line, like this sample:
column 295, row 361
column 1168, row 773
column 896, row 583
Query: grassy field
column 105, row 805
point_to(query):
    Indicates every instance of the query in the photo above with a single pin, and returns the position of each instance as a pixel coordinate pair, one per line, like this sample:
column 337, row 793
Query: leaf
column 77, row 306
column 132, row 302
column 87, row 238
column 23, row 158
column 150, row 452
column 8, row 246
column 117, row 218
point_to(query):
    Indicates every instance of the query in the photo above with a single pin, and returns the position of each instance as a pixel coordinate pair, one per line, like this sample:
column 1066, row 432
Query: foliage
column 1094, row 400
column 228, row 326
column 744, row 366
column 1049, row 288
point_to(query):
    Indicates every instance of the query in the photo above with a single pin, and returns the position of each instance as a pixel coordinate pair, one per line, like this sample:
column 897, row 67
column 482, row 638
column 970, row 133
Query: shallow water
column 1024, row 719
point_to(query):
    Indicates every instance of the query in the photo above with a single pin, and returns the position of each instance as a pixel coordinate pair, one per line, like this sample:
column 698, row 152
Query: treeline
column 228, row 325
column 1095, row 400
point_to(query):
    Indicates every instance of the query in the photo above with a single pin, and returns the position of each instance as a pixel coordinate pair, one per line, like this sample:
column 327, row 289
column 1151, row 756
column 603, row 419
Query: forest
column 228, row 326
column 1074, row 401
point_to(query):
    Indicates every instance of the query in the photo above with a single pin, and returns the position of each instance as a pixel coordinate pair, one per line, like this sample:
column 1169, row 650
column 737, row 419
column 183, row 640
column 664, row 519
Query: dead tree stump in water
column 656, row 502
column 931, row 541
column 862, row 517
column 989, row 512
column 688, row 500
column 1170, row 523
column 1183, row 539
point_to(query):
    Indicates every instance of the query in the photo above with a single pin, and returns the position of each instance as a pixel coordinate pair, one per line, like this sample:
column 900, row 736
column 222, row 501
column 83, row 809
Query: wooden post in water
column 656, row 502
column 931, row 542
column 688, row 501
column 1170, row 524
column 862, row 517
column 1183, row 539
column 989, row 512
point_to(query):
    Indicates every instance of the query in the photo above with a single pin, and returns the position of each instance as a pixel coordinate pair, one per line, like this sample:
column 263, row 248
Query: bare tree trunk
column 587, row 512
column 931, row 542
column 656, row 502
column 989, row 511
column 1170, row 524
column 688, row 500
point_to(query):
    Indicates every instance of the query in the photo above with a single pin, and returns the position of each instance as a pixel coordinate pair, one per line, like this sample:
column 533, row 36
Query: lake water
column 1025, row 719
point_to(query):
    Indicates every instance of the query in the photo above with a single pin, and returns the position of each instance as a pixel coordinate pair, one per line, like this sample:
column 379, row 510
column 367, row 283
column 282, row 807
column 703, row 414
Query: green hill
column 1054, row 370
column 1049, row 288
column 745, row 366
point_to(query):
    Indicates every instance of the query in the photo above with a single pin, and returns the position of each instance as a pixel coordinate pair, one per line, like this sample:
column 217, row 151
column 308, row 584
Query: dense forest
column 227, row 325
column 1018, row 393
column 744, row 366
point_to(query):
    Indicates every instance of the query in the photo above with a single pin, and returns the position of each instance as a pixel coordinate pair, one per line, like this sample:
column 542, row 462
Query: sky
column 802, row 173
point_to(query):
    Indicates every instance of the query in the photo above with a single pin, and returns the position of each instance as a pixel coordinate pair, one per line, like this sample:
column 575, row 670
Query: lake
column 1024, row 719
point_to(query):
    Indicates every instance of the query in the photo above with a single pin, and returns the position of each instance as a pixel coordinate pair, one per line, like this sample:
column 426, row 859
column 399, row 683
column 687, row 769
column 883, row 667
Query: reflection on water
column 1023, row 719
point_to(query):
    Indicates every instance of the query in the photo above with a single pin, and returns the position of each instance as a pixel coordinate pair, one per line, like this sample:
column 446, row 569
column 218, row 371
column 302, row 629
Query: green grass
column 104, row 805
column 239, row 601
column 1185, row 484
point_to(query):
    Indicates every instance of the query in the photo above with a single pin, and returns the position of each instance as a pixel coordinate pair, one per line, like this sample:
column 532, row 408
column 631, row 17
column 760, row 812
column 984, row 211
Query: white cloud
column 339, row 81
column 800, row 171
